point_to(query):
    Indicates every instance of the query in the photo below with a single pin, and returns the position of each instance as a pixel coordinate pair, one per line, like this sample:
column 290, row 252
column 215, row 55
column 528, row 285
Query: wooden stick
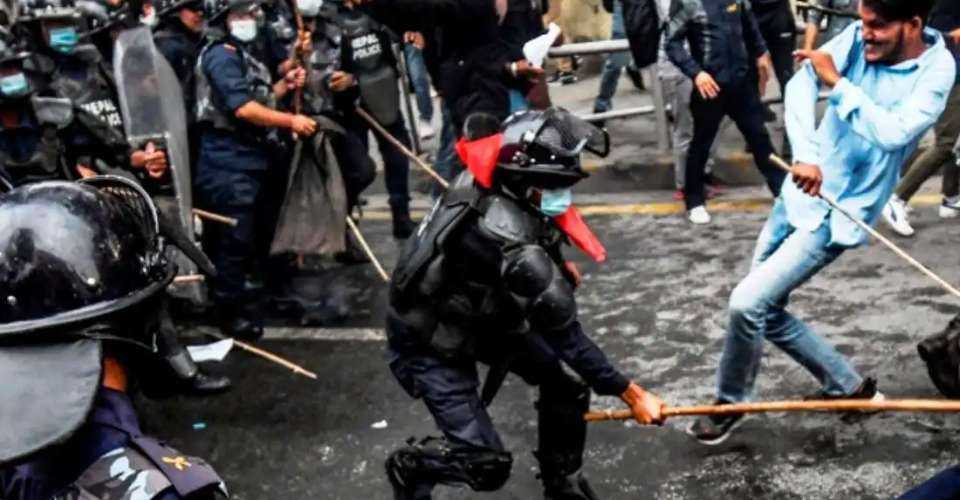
column 203, row 214
column 403, row 149
column 367, row 250
column 844, row 405
column 876, row 234
column 189, row 278
column 268, row 356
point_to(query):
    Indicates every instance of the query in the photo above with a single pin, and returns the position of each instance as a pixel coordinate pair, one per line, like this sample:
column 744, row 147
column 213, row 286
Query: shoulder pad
column 506, row 220
column 188, row 475
column 123, row 473
column 52, row 111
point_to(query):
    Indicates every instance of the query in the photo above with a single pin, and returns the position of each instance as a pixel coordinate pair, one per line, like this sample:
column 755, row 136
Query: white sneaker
column 895, row 215
column 425, row 129
column 950, row 207
column 699, row 215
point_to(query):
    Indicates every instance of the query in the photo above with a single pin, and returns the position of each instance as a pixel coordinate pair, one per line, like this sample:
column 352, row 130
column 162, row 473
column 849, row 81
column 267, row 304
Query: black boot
column 403, row 226
column 242, row 322
column 570, row 487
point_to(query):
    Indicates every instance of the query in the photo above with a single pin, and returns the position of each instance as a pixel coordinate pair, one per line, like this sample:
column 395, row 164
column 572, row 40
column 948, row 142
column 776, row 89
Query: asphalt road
column 658, row 309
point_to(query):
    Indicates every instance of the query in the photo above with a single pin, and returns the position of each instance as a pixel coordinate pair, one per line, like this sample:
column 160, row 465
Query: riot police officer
column 484, row 279
column 82, row 267
column 236, row 110
column 366, row 74
column 93, row 139
column 179, row 37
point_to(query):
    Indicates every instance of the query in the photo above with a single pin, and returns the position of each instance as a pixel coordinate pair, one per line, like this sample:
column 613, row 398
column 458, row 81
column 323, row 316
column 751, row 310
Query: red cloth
column 572, row 223
column 480, row 157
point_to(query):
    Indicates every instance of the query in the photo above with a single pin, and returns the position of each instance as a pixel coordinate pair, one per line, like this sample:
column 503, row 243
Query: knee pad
column 438, row 461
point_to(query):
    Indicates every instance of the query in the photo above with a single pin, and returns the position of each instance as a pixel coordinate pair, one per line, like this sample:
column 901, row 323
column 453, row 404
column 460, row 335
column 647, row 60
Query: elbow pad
column 540, row 288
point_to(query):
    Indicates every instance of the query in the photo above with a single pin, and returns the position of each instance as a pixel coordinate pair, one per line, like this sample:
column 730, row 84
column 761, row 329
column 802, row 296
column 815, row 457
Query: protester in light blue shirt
column 889, row 79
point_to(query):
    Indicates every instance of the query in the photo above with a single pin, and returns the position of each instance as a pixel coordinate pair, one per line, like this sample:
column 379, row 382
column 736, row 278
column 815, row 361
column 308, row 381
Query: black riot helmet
column 215, row 11
column 170, row 7
column 38, row 10
column 21, row 70
column 542, row 149
column 74, row 252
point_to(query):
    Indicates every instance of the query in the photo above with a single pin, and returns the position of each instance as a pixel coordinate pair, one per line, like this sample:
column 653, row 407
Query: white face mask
column 309, row 8
column 149, row 19
column 244, row 30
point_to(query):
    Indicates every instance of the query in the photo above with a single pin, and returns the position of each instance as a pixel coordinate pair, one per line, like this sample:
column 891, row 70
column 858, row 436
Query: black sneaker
column 636, row 77
column 867, row 390
column 712, row 430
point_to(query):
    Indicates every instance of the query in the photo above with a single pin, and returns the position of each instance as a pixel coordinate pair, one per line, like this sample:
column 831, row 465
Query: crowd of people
column 118, row 117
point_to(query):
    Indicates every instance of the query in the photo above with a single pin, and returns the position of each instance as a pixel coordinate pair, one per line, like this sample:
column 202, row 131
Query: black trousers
column 741, row 102
column 781, row 47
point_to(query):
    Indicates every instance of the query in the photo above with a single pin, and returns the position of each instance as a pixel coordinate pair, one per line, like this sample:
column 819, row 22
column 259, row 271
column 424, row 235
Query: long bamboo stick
column 844, row 405
column 223, row 219
column 403, row 149
column 367, row 249
column 269, row 356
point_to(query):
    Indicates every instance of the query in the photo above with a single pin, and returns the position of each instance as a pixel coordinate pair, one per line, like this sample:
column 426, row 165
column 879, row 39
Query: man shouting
column 889, row 77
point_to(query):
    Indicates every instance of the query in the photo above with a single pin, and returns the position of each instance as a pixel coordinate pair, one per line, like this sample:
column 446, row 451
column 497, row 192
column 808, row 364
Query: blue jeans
column 417, row 70
column 784, row 259
column 447, row 164
column 613, row 65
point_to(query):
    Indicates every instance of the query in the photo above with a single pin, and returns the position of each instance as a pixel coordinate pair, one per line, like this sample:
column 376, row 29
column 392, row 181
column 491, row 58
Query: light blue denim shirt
column 875, row 117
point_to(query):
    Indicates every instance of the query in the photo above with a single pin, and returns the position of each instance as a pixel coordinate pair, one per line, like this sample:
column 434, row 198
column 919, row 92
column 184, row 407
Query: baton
column 844, row 405
column 779, row 162
column 403, row 149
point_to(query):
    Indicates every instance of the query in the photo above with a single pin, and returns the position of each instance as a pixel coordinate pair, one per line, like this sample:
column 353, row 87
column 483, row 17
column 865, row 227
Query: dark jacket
column 471, row 57
column 723, row 37
column 945, row 17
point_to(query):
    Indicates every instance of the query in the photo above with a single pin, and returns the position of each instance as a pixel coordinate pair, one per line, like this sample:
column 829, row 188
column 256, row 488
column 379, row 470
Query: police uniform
column 233, row 163
column 181, row 47
column 357, row 168
column 484, row 280
column 73, row 438
column 366, row 52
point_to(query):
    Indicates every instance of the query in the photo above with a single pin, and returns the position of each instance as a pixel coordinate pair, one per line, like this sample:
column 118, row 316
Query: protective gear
column 431, row 461
column 244, row 30
column 215, row 10
column 542, row 149
column 941, row 354
column 64, row 40
column 258, row 78
column 368, row 56
column 150, row 101
column 554, row 202
column 538, row 286
column 36, row 10
column 170, row 7
column 15, row 85
column 309, row 8
column 51, row 276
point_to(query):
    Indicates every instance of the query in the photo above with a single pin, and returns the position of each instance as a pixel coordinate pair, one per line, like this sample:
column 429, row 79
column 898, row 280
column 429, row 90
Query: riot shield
column 151, row 102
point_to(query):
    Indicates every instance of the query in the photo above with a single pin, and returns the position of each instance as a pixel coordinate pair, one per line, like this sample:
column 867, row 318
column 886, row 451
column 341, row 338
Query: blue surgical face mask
column 64, row 40
column 554, row 202
column 244, row 30
column 15, row 85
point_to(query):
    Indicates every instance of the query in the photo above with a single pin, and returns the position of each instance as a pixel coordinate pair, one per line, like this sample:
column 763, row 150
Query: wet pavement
column 658, row 309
